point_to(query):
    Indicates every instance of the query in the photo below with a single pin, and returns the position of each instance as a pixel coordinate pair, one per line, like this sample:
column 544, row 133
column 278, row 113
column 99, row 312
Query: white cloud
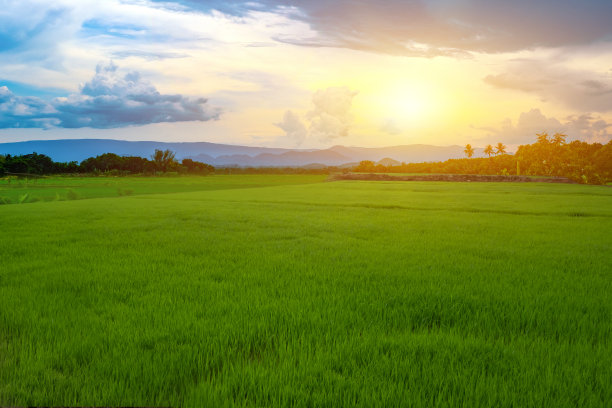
column 293, row 127
column 329, row 119
column 109, row 100
column 331, row 116
column 390, row 127
column 57, row 42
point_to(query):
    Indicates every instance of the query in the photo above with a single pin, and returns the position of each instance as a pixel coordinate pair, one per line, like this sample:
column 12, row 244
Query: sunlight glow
column 408, row 104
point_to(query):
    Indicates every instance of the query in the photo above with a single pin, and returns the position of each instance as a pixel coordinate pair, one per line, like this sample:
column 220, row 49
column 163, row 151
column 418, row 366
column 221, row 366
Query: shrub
column 72, row 195
column 125, row 192
column 23, row 199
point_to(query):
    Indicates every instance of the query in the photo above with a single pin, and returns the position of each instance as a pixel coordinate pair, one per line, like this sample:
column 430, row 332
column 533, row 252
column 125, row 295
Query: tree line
column 163, row 161
column 588, row 163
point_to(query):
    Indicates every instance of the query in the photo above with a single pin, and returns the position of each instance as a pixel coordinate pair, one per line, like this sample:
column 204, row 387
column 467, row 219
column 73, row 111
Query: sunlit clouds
column 307, row 74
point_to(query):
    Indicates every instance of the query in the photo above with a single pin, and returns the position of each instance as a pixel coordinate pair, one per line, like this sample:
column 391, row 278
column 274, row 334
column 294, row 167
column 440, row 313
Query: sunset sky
column 307, row 74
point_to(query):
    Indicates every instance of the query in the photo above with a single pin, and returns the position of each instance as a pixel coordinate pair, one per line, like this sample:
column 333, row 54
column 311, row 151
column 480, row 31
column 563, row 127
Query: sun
column 405, row 104
column 408, row 108
column 408, row 103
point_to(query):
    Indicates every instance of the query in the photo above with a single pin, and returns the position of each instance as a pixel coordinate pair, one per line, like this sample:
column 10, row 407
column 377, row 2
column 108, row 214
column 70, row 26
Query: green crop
column 288, row 291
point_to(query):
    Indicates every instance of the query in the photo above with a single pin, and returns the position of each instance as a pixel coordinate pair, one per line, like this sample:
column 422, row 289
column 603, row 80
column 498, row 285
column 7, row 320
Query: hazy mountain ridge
column 224, row 155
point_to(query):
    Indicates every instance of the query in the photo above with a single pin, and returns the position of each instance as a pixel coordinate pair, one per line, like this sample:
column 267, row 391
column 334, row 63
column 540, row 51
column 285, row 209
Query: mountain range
column 66, row 150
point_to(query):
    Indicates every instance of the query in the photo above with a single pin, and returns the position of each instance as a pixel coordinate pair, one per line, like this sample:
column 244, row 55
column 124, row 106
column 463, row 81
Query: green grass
column 14, row 191
column 304, row 293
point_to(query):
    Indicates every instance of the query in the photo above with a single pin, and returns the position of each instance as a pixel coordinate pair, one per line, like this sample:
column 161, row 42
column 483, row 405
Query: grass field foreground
column 295, row 292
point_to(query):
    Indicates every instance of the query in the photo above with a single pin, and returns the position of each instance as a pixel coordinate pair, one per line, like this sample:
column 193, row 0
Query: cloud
column 437, row 27
column 48, row 33
column 25, row 112
column 329, row 119
column 149, row 56
column 390, row 127
column 293, row 127
column 44, row 35
column 516, row 82
column 18, row 33
column 108, row 100
column 581, row 90
column 586, row 127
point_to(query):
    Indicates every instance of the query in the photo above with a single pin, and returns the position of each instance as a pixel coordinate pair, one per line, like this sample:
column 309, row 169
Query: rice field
column 288, row 291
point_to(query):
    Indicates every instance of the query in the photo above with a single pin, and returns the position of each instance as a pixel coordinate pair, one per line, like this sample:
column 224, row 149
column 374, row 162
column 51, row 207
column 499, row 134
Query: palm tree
column 488, row 150
column 559, row 139
column 543, row 138
column 501, row 148
column 469, row 151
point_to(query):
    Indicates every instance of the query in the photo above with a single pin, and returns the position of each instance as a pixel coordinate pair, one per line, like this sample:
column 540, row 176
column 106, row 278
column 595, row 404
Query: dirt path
column 450, row 177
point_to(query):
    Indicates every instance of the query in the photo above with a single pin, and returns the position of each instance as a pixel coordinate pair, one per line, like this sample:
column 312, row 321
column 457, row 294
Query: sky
column 306, row 73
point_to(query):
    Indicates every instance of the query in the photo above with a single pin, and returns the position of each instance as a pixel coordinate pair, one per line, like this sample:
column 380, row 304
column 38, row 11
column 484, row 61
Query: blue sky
column 306, row 73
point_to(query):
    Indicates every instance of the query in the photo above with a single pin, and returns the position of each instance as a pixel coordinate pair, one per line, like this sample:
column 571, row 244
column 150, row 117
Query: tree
column 501, row 148
column 197, row 167
column 135, row 164
column 542, row 138
column 102, row 163
column 469, row 151
column 32, row 163
column 488, row 150
column 559, row 139
column 164, row 160
column 365, row 166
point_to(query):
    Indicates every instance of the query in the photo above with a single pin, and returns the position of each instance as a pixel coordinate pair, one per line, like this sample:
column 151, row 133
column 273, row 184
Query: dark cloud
column 587, row 127
column 596, row 86
column 580, row 90
column 109, row 100
column 438, row 27
column 24, row 112
column 517, row 82
column 424, row 28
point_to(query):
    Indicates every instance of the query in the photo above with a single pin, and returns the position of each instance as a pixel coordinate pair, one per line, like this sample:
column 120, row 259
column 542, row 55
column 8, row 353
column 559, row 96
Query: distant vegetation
column 108, row 163
column 550, row 156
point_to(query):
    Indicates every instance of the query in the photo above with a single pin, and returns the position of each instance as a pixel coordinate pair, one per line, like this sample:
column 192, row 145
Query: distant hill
column 231, row 155
column 406, row 153
column 287, row 158
column 79, row 149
